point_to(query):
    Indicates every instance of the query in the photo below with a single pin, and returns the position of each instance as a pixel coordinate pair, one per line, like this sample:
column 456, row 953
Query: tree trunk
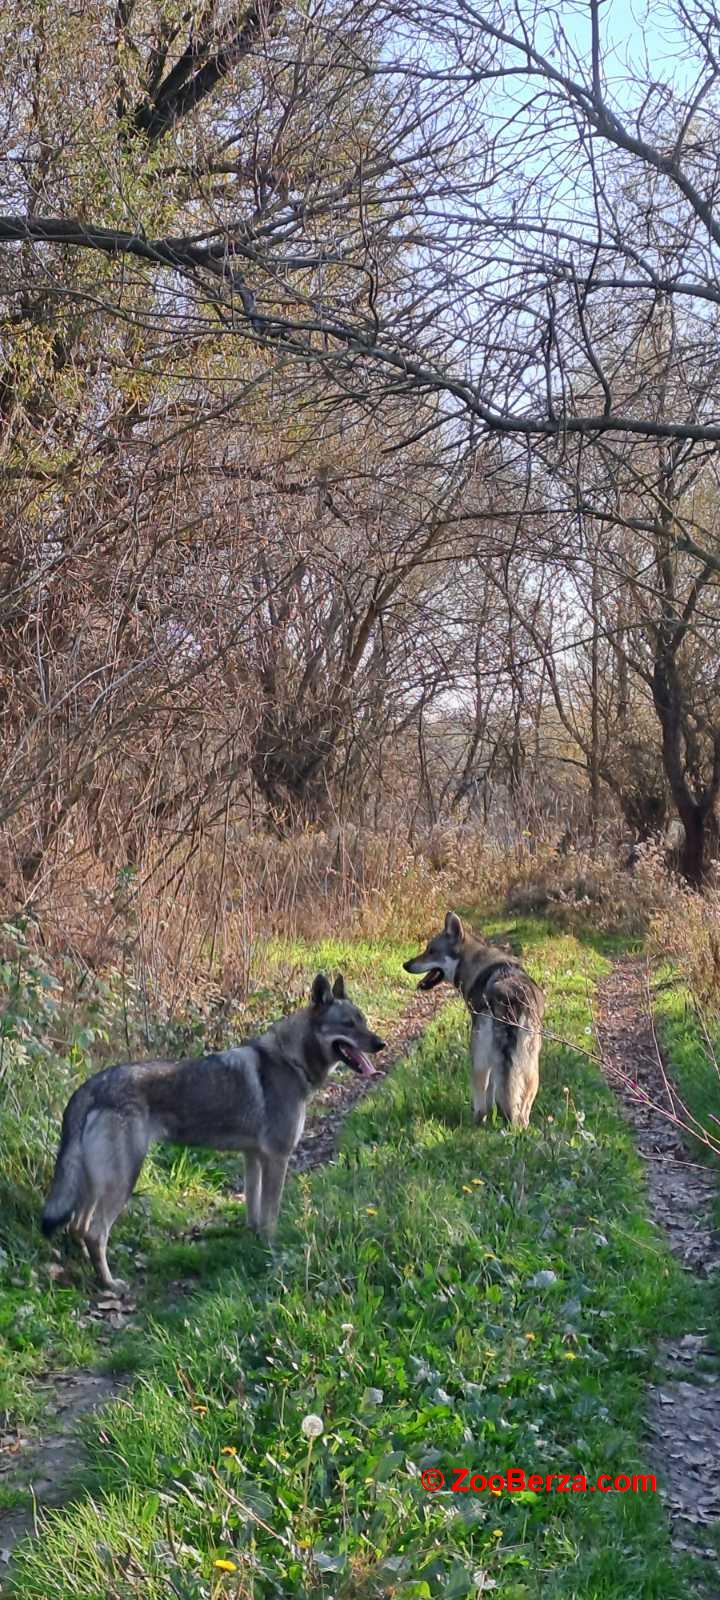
column 594, row 755
column 693, row 853
column 702, row 834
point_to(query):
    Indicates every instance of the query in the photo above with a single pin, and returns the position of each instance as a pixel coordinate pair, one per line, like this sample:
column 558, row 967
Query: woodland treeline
column 360, row 424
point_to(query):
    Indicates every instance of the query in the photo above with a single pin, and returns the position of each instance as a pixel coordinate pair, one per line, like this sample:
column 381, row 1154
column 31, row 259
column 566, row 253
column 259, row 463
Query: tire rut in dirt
column 684, row 1406
column 48, row 1466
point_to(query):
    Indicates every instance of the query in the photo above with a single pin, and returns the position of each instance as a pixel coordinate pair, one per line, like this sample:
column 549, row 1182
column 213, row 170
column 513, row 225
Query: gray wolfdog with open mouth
column 506, row 1008
column 251, row 1098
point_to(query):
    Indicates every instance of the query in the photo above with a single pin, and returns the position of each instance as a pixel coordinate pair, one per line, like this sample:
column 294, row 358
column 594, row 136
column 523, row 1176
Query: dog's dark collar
column 476, row 996
column 486, row 972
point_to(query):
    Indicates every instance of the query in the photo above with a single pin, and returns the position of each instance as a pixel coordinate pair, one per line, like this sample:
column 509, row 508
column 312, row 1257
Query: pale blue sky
column 635, row 36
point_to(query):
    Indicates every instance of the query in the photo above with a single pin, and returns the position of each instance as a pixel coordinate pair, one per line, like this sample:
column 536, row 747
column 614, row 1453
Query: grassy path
column 438, row 1297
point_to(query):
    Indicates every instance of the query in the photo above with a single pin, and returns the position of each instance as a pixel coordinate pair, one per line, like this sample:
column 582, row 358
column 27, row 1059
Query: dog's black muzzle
column 432, row 977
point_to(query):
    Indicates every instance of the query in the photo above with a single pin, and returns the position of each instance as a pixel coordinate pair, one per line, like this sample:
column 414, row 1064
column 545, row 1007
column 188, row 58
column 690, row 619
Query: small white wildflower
column 312, row 1426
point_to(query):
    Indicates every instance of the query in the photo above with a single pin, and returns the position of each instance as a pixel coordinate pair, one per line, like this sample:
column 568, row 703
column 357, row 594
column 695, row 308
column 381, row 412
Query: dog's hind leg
column 114, row 1148
column 274, row 1168
column 519, row 1080
column 76, row 1229
column 531, row 1077
column 253, row 1190
column 482, row 1057
column 81, row 1218
column 96, row 1245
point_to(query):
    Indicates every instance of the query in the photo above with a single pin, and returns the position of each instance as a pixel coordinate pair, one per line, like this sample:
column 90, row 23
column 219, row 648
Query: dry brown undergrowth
column 199, row 915
column 685, row 929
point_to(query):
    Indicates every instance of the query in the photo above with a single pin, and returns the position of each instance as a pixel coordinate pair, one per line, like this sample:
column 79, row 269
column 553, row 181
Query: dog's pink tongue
column 366, row 1067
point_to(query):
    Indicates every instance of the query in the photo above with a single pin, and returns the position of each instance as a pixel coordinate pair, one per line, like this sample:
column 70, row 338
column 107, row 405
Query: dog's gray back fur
column 251, row 1098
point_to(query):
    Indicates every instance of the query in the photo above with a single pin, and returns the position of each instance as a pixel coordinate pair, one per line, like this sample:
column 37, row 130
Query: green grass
column 691, row 1041
column 402, row 1305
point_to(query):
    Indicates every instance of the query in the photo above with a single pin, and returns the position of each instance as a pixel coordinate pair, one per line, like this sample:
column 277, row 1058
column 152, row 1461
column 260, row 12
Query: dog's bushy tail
column 66, row 1187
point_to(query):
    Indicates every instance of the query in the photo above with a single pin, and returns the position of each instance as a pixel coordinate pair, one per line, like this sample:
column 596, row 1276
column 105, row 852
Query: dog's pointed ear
column 339, row 987
column 453, row 927
column 321, row 994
